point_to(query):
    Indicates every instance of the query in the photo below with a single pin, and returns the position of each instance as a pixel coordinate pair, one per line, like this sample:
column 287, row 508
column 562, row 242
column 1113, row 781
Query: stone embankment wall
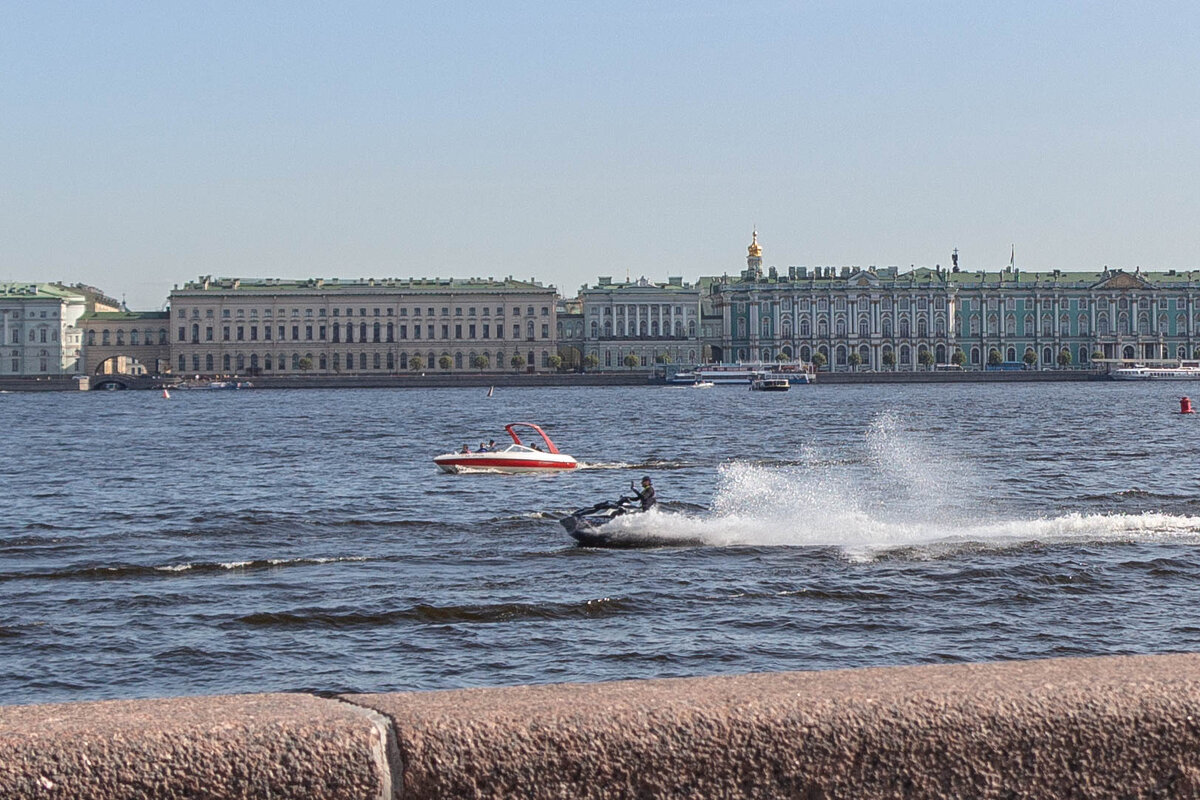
column 1103, row 727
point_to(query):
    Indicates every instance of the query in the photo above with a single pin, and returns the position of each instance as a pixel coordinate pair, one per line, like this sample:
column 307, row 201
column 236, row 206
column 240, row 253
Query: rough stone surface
column 254, row 746
column 1075, row 728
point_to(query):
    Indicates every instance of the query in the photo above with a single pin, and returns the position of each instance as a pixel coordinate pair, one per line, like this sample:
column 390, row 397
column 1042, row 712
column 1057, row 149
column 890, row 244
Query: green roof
column 39, row 291
column 271, row 285
column 122, row 315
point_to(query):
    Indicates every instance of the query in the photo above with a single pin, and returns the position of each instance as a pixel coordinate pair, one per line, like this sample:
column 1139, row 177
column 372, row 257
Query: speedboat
column 514, row 458
column 703, row 385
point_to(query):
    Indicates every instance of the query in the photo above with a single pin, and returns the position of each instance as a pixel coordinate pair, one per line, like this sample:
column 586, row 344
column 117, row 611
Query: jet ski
column 585, row 525
column 591, row 527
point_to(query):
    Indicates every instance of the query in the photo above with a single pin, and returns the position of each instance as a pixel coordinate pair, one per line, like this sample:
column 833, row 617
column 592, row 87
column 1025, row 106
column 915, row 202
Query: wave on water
column 487, row 613
column 139, row 570
column 903, row 498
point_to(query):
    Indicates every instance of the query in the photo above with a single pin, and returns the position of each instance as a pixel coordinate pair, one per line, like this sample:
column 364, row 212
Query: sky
column 145, row 144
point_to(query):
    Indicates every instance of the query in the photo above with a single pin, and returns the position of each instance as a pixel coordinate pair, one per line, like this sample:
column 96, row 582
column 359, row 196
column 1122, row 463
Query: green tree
column 416, row 363
column 663, row 358
column 555, row 362
column 305, row 364
column 925, row 358
column 591, row 361
column 1100, row 354
column 819, row 359
column 1196, row 353
column 481, row 362
column 994, row 358
column 1064, row 358
column 854, row 358
column 445, row 362
column 781, row 358
column 889, row 358
column 517, row 361
column 1030, row 358
column 959, row 357
column 632, row 361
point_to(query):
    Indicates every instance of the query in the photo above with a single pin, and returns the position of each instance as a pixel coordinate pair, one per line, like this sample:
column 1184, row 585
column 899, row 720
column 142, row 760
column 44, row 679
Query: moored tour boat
column 1183, row 371
column 513, row 458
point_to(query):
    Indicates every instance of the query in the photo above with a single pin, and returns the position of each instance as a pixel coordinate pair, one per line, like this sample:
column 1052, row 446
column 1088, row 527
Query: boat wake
column 899, row 500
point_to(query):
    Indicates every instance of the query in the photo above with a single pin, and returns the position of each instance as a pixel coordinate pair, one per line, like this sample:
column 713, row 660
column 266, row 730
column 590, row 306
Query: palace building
column 885, row 319
column 38, row 332
column 370, row 326
column 652, row 322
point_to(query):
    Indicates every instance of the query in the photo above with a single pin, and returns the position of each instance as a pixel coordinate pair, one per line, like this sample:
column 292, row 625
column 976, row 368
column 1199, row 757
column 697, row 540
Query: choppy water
column 303, row 540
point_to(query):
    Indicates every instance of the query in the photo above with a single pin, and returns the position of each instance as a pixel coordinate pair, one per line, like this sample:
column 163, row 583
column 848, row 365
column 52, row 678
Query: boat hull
column 481, row 462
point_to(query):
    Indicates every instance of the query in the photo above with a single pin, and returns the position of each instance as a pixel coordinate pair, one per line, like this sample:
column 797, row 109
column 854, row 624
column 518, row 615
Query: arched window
column 241, row 362
column 376, row 360
column 391, row 361
column 864, row 325
column 133, row 338
column 91, row 339
column 254, row 361
column 458, row 361
column 905, row 331
column 1102, row 325
column 1047, row 356
column 362, row 333
column 391, row 332
column 940, row 354
column 362, row 361
column 974, row 323
column 975, row 355
column 905, row 354
column 823, row 328
column 1082, row 325
column 595, row 329
column 805, row 328
column 295, row 361
column 375, row 331
column 840, row 355
column 922, row 327
column 322, row 362
column 529, row 329
column 267, row 362
column 1011, row 355
column 839, row 327
column 1010, row 325
column 226, row 362
column 887, row 327
column 1083, row 355
column 1047, row 325
column 692, row 329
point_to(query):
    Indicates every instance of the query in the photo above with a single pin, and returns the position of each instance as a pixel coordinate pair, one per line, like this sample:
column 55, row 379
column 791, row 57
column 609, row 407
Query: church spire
column 754, row 256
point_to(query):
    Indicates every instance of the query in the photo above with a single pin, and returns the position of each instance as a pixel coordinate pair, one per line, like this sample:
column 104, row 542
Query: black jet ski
column 586, row 523
column 590, row 527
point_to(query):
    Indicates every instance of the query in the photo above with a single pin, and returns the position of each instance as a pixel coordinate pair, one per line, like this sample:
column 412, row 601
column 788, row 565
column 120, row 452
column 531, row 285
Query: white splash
column 900, row 496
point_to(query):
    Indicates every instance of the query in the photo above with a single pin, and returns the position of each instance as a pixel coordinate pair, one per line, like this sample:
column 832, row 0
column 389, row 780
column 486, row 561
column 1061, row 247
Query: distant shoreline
column 597, row 379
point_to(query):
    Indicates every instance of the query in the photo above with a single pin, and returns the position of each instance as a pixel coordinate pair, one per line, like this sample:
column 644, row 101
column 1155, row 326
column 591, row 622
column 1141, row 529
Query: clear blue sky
column 144, row 144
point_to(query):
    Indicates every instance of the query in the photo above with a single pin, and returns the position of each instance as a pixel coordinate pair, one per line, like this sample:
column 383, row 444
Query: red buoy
column 1185, row 405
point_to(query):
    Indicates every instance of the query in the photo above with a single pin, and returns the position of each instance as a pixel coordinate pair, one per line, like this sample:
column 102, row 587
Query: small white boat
column 513, row 458
column 703, row 385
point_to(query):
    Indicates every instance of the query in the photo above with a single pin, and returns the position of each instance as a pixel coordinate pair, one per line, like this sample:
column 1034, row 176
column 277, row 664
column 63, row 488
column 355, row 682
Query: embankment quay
column 1099, row 727
column 432, row 381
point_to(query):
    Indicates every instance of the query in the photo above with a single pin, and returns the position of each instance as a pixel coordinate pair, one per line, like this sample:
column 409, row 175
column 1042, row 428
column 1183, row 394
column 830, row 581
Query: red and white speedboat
column 516, row 457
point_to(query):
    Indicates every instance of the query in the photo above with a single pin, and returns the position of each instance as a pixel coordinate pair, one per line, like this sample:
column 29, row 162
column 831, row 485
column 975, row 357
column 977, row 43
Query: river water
column 303, row 540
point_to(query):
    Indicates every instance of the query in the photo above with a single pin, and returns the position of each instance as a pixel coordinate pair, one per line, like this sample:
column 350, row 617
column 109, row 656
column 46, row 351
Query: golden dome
column 755, row 249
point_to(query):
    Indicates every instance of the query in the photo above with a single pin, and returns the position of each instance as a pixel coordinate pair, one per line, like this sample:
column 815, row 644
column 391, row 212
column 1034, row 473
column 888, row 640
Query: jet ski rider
column 646, row 495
